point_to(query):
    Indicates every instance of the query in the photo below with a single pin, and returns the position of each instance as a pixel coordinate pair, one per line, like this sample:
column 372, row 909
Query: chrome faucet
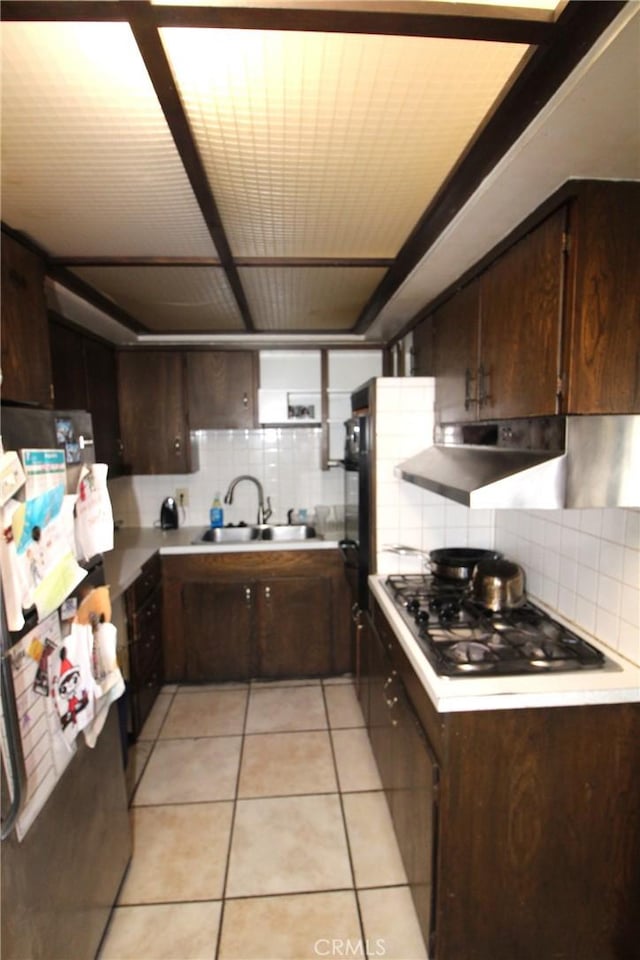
column 263, row 512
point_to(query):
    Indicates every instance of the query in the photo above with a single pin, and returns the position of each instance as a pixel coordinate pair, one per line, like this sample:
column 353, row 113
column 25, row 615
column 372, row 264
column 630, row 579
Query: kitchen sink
column 228, row 535
column 280, row 533
column 289, row 531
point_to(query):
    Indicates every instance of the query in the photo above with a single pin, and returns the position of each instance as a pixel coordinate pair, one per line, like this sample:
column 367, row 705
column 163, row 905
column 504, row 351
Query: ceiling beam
column 295, row 262
column 58, row 272
column 578, row 27
column 390, row 22
column 155, row 59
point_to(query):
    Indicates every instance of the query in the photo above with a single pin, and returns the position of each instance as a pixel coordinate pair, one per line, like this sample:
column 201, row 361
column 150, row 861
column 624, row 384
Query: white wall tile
column 585, row 564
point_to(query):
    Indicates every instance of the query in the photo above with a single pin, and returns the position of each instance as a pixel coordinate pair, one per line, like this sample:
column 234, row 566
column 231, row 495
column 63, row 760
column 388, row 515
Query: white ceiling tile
column 308, row 298
column 180, row 299
column 328, row 144
column 89, row 166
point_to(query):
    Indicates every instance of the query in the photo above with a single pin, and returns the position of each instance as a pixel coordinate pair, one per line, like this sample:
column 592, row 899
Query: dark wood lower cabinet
column 143, row 605
column 232, row 616
column 408, row 770
column 531, row 817
column 218, row 624
column 294, row 627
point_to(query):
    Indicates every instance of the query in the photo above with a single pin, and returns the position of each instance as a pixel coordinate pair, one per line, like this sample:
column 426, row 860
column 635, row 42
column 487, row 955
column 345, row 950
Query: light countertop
column 135, row 545
column 620, row 683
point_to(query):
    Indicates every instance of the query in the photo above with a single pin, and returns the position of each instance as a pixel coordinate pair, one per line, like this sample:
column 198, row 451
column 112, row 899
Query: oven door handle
column 349, row 551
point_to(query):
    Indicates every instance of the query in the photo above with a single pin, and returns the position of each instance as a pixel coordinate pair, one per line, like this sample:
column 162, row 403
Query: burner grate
column 462, row 638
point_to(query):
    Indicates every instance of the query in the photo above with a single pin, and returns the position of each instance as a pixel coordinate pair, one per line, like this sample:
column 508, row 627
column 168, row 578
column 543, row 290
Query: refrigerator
column 66, row 837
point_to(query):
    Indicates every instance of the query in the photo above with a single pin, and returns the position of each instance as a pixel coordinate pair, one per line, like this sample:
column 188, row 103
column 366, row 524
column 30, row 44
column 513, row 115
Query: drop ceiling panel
column 170, row 299
column 88, row 163
column 586, row 131
column 308, row 299
column 330, row 145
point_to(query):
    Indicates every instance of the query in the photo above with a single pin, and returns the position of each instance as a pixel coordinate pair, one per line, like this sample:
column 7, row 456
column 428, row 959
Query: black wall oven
column 356, row 546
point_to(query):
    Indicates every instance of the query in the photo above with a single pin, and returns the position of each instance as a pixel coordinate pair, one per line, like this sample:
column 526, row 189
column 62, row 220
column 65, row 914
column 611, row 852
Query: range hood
column 539, row 463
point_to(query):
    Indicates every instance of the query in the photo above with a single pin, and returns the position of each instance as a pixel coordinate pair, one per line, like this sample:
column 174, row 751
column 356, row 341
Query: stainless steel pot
column 458, row 563
column 498, row 584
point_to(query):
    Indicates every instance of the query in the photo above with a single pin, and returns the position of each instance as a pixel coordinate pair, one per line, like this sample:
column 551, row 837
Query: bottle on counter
column 216, row 514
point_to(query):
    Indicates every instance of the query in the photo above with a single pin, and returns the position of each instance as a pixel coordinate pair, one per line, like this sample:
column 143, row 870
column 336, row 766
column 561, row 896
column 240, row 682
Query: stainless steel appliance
column 61, row 876
column 462, row 638
column 357, row 544
column 539, row 462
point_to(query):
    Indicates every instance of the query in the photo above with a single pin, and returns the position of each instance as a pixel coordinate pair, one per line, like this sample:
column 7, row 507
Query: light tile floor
column 261, row 832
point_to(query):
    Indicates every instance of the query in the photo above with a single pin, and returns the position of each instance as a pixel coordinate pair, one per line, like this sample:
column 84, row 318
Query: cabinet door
column 85, row 378
column 25, row 355
column 222, row 388
column 152, row 413
column 382, row 678
column 145, row 657
column 455, row 355
column 102, row 390
column 520, row 325
column 603, row 344
column 423, row 349
column 68, row 368
column 294, row 635
column 413, row 798
column 218, row 620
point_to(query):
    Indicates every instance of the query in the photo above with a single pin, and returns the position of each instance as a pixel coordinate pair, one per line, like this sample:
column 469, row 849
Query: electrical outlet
column 182, row 496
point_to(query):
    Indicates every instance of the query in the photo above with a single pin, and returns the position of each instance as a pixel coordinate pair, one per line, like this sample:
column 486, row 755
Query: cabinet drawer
column 142, row 588
column 147, row 620
column 145, row 663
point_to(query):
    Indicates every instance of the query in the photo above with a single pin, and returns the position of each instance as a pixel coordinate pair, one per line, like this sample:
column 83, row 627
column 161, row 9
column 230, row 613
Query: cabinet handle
column 390, row 679
column 247, row 596
column 177, row 446
column 483, row 393
column 468, row 380
column 245, row 400
column 267, row 593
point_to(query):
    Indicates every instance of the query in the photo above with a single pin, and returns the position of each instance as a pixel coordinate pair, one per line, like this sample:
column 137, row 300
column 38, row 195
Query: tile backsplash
column 285, row 460
column 585, row 564
column 406, row 514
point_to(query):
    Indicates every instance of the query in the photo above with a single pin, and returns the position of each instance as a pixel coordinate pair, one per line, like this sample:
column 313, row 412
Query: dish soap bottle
column 216, row 515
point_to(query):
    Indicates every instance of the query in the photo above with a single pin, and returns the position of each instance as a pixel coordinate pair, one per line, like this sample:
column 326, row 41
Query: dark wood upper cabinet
column 602, row 351
column 102, row 389
column 85, row 378
column 555, row 326
column 153, row 418
column 423, row 349
column 455, row 355
column 520, row 325
column 68, row 367
column 25, row 357
column 222, row 389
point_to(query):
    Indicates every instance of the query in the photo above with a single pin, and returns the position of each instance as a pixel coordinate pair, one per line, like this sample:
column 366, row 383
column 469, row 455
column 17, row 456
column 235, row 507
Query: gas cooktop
column 461, row 638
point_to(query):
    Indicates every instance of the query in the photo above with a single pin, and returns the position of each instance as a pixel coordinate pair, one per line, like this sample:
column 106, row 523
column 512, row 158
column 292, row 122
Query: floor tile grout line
column 153, row 742
column 330, row 729
column 344, row 823
column 223, row 897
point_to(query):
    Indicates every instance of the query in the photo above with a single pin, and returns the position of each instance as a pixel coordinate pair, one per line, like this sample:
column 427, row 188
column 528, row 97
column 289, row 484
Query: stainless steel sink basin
column 228, row 535
column 288, row 531
column 280, row 533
